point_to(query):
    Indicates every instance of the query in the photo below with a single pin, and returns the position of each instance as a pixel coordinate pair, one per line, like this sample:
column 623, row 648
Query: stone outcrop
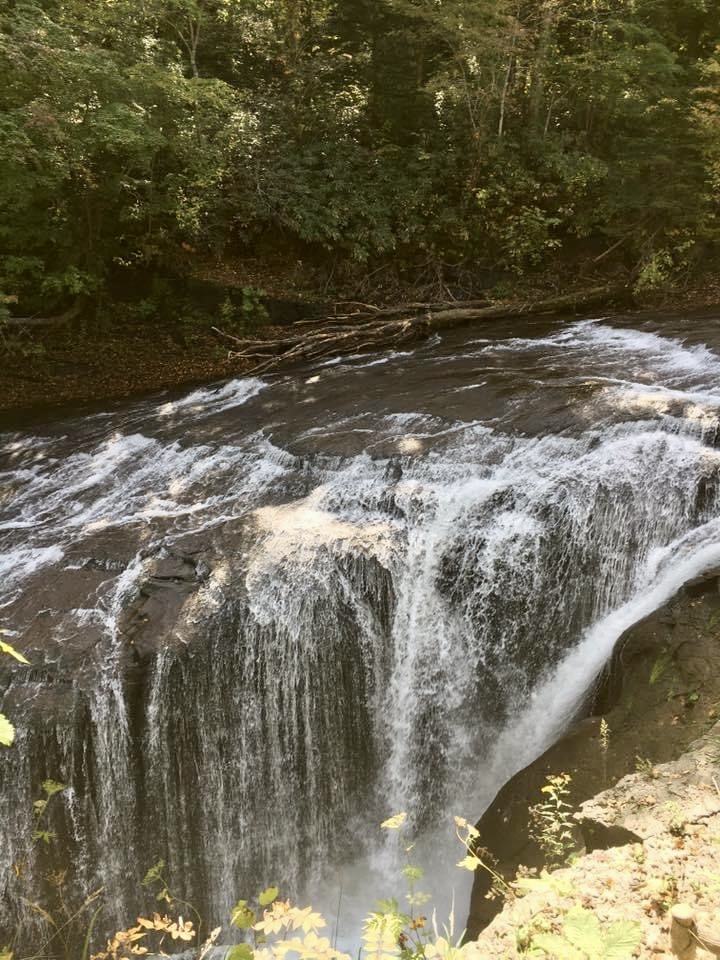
column 667, row 822
column 659, row 698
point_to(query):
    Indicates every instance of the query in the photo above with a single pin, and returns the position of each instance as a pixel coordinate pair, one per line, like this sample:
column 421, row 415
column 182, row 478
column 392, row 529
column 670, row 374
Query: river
column 264, row 615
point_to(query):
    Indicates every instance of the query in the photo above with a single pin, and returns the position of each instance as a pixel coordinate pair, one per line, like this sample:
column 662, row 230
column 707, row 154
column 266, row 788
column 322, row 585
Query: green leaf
column 412, row 873
column 556, row 947
column 52, row 786
column 7, row 731
column 582, row 929
column 242, row 951
column 154, row 873
column 617, row 941
column 45, row 835
column 268, row 896
column 621, row 939
column 242, row 916
column 386, row 906
column 7, row 648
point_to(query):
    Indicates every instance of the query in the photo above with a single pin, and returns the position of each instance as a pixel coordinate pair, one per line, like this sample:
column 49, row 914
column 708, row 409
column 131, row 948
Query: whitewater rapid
column 265, row 615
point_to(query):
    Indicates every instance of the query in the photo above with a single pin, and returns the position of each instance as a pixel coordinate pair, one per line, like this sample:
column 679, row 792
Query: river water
column 264, row 615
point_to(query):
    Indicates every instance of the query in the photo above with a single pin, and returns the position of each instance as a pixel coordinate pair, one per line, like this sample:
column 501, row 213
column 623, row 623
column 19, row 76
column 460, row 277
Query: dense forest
column 455, row 136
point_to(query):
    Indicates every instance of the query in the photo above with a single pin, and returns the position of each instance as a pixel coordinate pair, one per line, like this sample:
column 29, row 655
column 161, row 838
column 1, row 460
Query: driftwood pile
column 371, row 328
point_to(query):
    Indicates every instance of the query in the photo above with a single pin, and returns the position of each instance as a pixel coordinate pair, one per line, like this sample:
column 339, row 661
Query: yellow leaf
column 11, row 651
column 469, row 863
column 7, row 731
column 394, row 822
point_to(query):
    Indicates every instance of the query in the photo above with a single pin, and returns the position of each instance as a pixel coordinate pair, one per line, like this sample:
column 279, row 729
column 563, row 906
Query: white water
column 409, row 573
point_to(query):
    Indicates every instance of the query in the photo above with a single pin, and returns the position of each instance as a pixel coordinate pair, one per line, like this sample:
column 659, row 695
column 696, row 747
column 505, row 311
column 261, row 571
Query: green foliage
column 583, row 938
column 268, row 896
column 662, row 662
column 274, row 928
column 155, row 877
column 43, row 834
column 645, row 767
column 479, row 858
column 551, row 823
column 604, row 735
column 242, row 916
column 245, row 316
column 137, row 138
column 51, row 787
column 241, row 951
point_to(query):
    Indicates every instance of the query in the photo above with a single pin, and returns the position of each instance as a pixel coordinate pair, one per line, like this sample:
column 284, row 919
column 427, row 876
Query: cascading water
column 263, row 617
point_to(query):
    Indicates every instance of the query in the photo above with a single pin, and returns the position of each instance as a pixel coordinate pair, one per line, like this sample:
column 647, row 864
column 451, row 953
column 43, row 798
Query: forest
column 471, row 140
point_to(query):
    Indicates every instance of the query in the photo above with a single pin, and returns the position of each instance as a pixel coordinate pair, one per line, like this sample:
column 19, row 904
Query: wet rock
column 156, row 614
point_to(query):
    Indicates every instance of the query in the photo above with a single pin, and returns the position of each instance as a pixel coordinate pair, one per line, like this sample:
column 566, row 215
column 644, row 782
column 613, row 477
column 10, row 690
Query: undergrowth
column 399, row 928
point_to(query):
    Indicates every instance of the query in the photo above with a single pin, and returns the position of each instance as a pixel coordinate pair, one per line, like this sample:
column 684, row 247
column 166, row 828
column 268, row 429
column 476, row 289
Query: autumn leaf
column 394, row 822
column 7, row 731
column 11, row 651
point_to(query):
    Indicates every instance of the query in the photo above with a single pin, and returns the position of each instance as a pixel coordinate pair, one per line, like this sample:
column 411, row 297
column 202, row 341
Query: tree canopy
column 477, row 133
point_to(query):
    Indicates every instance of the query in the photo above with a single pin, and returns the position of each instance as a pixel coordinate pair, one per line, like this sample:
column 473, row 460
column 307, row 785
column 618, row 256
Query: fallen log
column 370, row 313
column 376, row 331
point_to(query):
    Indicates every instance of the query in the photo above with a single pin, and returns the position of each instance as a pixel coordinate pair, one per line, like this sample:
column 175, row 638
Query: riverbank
column 83, row 362
column 649, row 806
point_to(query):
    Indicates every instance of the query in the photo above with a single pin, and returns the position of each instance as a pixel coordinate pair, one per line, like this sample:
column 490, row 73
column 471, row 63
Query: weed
column 678, row 821
column 660, row 666
column 645, row 767
column 604, row 734
column 551, row 823
column 604, row 745
column 478, row 857
column 663, row 892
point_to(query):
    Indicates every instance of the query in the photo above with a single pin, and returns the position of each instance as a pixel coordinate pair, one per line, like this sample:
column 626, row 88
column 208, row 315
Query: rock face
column 673, row 812
column 660, row 694
column 661, row 800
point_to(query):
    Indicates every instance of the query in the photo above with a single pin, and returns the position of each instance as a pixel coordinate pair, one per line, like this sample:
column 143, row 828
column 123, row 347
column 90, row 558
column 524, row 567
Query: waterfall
column 264, row 616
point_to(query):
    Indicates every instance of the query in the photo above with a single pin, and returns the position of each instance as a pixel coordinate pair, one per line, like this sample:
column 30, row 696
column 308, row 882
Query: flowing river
column 265, row 615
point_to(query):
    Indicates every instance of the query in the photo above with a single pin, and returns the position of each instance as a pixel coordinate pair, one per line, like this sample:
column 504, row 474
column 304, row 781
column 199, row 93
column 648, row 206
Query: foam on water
column 392, row 608
column 213, row 400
